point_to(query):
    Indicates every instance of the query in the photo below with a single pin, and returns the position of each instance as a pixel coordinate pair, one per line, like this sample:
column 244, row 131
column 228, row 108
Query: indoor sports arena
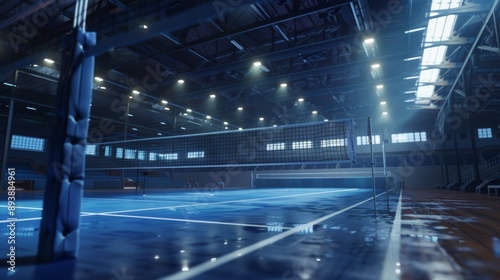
column 269, row 140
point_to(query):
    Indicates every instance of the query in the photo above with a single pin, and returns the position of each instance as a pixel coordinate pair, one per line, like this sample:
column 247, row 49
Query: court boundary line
column 209, row 265
column 189, row 221
column 392, row 262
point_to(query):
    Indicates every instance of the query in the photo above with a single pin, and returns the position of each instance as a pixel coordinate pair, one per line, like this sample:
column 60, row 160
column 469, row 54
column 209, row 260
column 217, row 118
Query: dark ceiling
column 317, row 48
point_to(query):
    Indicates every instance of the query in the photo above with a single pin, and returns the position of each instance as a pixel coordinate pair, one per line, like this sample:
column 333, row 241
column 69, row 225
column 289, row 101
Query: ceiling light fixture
column 240, row 108
column 48, row 60
column 164, row 102
column 369, row 41
column 99, row 79
column 257, row 63
column 181, row 81
column 283, row 85
column 136, row 91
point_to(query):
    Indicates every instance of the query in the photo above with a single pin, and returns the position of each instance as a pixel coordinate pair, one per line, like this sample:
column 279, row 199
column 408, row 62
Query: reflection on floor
column 280, row 234
column 450, row 235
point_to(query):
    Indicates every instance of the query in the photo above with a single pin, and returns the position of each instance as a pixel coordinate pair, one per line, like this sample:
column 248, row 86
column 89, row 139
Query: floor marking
column 209, row 265
column 85, row 214
column 392, row 264
column 189, row 221
column 225, row 202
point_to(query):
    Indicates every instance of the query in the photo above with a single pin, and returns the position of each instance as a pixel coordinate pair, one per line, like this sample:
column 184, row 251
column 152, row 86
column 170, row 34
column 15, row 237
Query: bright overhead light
column 411, row 77
column 380, row 86
column 438, row 5
column 101, row 87
column 226, row 123
column 99, row 79
column 209, row 117
column 130, row 115
column 31, row 108
column 240, row 108
column 48, row 60
column 163, row 123
column 130, row 97
column 375, row 66
column 369, row 41
column 34, row 65
column 164, row 101
column 384, row 113
column 314, row 112
column 412, row 58
column 212, row 95
column 410, row 91
column 136, row 91
column 301, row 99
column 166, row 109
column 325, row 120
column 143, row 26
column 183, row 128
column 257, row 63
column 283, row 85
column 275, row 125
column 189, row 110
column 9, row 84
column 226, row 127
column 434, row 55
column 240, row 128
column 415, row 30
column 383, row 103
column 237, row 45
column 261, row 119
column 135, row 129
column 181, row 81
column 159, row 134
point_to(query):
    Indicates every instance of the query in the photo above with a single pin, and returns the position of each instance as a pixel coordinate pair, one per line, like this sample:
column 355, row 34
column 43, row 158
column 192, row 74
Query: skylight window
column 439, row 28
column 429, row 76
column 438, row 5
column 434, row 55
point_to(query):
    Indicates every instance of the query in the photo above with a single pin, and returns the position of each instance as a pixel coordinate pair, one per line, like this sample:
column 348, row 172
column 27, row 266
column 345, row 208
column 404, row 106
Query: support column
column 60, row 225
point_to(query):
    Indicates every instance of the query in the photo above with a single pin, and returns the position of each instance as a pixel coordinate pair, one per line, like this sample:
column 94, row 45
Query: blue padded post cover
column 59, row 228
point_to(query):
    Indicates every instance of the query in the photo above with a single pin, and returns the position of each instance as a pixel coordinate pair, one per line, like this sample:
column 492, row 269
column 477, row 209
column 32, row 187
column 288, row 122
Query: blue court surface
column 285, row 234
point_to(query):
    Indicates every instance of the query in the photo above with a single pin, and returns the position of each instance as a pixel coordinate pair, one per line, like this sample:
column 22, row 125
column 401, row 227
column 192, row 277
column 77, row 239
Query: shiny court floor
column 285, row 234
column 230, row 234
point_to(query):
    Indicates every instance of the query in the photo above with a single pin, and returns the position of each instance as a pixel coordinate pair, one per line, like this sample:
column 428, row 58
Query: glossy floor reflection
column 231, row 234
column 283, row 234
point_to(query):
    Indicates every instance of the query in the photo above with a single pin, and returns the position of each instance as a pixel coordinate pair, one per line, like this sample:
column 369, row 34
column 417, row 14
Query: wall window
column 141, row 155
column 130, row 154
column 91, row 149
column 302, row 145
column 26, row 143
column 275, row 146
column 108, row 151
column 119, row 152
column 333, row 143
column 196, row 154
column 484, row 133
column 152, row 156
column 409, row 137
column 363, row 140
column 172, row 156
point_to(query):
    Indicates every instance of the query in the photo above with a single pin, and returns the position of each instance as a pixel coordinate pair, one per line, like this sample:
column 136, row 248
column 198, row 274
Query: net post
column 370, row 141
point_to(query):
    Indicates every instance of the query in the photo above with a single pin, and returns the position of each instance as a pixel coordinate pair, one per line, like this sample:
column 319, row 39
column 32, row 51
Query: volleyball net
column 320, row 142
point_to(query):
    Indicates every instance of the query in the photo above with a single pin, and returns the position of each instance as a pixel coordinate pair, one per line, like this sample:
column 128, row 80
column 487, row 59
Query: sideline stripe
column 209, row 265
column 392, row 265
column 84, row 214
column 189, row 221
column 226, row 202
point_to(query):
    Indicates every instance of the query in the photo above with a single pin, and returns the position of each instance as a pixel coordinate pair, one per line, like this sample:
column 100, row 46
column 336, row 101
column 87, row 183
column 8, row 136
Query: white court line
column 189, row 221
column 84, row 214
column 392, row 265
column 209, row 265
column 225, row 202
column 23, row 207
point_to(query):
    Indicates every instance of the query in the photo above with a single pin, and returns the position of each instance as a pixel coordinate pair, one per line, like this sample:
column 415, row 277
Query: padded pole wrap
column 59, row 229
